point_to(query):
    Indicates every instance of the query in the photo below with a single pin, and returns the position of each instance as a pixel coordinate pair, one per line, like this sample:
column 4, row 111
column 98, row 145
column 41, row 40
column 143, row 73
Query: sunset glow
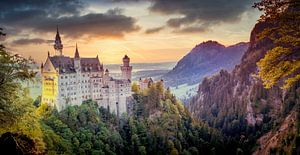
column 147, row 38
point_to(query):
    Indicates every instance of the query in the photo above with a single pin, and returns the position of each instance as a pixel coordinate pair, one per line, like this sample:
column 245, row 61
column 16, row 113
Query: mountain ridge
column 238, row 104
column 205, row 59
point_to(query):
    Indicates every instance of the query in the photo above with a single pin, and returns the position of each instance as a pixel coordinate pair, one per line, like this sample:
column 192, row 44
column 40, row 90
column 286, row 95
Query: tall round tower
column 126, row 68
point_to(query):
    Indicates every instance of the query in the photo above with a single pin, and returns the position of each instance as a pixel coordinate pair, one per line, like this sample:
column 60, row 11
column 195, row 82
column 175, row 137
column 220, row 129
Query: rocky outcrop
column 237, row 103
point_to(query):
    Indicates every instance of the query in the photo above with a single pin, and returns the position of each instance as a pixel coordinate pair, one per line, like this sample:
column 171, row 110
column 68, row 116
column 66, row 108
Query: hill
column 203, row 60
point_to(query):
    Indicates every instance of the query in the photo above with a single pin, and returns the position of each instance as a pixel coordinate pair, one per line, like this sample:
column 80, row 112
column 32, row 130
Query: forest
column 216, row 121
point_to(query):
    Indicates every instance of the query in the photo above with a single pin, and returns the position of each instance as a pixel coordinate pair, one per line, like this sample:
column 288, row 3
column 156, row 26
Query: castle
column 70, row 81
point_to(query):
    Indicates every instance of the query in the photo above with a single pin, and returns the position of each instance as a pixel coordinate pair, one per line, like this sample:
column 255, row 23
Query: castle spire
column 58, row 46
column 76, row 52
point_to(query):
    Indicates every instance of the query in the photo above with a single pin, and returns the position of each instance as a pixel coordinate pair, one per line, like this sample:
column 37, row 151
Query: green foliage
column 281, row 64
column 135, row 88
column 159, row 124
column 13, row 69
column 17, row 114
column 81, row 130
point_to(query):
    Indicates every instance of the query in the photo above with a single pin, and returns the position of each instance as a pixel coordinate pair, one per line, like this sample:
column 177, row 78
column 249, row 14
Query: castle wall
column 50, row 89
column 73, row 88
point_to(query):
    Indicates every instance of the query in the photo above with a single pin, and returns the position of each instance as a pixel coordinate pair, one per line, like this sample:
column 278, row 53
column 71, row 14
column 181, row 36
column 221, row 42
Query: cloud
column 192, row 29
column 27, row 41
column 43, row 16
column 53, row 8
column 109, row 24
column 154, row 30
column 200, row 12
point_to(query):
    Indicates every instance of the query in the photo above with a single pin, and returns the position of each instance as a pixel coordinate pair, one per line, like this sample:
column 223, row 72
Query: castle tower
column 126, row 68
column 49, row 83
column 106, row 75
column 58, row 46
column 77, row 60
column 77, row 67
column 106, row 72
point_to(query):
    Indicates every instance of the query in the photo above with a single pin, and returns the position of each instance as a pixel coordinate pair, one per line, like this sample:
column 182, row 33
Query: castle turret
column 126, row 68
column 77, row 60
column 106, row 75
column 106, row 72
column 77, row 67
column 58, row 46
column 76, row 53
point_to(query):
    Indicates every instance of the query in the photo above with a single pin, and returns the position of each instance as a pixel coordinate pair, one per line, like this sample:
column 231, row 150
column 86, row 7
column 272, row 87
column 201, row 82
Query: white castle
column 70, row 81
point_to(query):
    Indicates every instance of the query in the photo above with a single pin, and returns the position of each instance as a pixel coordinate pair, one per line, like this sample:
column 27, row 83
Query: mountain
column 239, row 105
column 205, row 59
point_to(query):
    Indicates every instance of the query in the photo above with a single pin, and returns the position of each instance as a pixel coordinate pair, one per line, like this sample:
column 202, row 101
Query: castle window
column 66, row 77
column 62, row 77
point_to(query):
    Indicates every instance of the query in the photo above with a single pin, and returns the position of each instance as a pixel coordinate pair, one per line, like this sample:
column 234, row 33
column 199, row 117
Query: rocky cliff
column 238, row 104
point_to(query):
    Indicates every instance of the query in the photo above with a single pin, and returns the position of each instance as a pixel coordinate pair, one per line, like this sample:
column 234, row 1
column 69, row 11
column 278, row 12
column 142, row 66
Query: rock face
column 238, row 91
column 205, row 59
column 237, row 103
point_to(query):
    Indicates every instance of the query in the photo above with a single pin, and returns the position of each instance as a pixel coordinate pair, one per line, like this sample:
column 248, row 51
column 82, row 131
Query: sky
column 146, row 30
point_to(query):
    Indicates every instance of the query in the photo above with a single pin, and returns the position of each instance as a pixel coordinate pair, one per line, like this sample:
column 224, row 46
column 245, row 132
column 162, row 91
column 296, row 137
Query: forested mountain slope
column 203, row 60
column 157, row 124
column 239, row 105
